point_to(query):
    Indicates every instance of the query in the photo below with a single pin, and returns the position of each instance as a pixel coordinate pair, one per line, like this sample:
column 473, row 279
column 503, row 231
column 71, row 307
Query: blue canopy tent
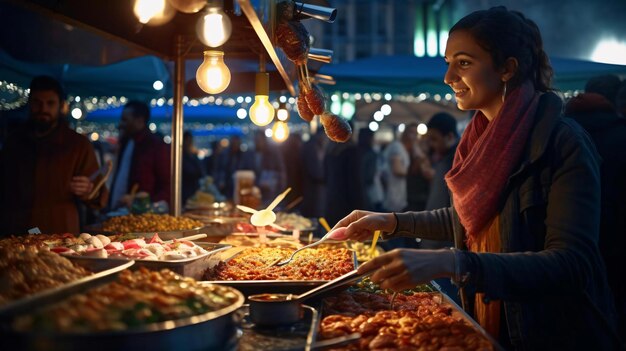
column 131, row 78
column 202, row 113
column 405, row 74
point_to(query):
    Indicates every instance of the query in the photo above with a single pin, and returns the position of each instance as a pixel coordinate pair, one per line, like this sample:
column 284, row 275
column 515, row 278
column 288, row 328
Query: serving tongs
column 293, row 254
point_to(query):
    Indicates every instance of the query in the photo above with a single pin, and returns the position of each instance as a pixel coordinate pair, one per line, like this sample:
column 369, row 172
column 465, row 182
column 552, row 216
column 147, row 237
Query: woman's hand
column 402, row 269
column 360, row 225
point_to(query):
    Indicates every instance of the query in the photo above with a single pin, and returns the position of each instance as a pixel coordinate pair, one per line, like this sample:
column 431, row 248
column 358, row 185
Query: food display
column 149, row 222
column 259, row 264
column 155, row 249
column 25, row 271
column 293, row 221
column 37, row 240
column 417, row 321
column 137, row 299
column 366, row 285
column 364, row 251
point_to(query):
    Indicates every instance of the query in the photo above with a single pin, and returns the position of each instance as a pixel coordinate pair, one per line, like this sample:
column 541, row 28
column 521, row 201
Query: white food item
column 95, row 242
column 84, row 236
column 104, row 239
column 99, row 253
column 78, row 247
column 156, row 249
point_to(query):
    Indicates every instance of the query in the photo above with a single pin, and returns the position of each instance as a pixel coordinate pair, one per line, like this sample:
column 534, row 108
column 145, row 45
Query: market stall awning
column 203, row 113
column 132, row 78
column 406, row 74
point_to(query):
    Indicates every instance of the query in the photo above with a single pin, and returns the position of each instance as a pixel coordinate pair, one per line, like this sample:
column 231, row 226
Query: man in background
column 45, row 168
column 143, row 159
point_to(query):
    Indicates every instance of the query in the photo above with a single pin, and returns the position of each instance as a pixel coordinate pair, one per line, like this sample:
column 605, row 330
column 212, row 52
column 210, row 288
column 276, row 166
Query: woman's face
column 472, row 76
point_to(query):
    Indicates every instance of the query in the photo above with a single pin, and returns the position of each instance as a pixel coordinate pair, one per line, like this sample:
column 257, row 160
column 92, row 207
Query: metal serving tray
column 103, row 274
column 190, row 267
column 215, row 330
column 164, row 235
column 457, row 311
column 250, row 287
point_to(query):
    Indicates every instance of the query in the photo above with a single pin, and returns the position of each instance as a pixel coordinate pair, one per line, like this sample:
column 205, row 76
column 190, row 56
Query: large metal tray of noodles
column 103, row 274
column 250, row 287
column 216, row 330
column 190, row 267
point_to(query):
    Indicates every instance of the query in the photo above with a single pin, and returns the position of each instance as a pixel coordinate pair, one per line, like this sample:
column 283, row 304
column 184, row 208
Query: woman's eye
column 464, row 63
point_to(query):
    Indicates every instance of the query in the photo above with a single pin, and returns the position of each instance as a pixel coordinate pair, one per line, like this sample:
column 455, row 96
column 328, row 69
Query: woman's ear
column 509, row 69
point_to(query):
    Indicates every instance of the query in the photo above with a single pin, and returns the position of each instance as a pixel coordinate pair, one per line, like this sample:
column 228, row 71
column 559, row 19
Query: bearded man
column 45, row 168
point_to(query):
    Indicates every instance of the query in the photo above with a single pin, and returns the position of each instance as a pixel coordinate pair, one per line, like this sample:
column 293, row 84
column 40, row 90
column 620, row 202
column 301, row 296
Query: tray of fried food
column 415, row 319
column 32, row 276
column 141, row 309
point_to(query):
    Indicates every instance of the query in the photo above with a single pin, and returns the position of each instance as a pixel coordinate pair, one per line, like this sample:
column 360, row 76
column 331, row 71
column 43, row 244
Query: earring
column 504, row 92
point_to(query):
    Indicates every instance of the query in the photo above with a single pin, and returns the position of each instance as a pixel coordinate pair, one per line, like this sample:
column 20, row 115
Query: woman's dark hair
column 505, row 34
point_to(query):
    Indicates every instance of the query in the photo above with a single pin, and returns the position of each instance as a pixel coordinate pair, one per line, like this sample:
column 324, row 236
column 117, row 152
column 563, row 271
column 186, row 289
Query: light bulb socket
column 323, row 13
column 322, row 55
column 262, row 84
column 213, row 53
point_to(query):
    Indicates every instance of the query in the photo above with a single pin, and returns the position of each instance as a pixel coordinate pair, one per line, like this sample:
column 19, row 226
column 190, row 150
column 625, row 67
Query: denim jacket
column 549, row 274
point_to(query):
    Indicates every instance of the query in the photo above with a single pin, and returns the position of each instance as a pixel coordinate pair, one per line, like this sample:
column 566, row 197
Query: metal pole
column 177, row 130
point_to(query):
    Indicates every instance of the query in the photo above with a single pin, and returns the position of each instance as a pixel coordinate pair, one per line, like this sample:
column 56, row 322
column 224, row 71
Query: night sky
column 570, row 28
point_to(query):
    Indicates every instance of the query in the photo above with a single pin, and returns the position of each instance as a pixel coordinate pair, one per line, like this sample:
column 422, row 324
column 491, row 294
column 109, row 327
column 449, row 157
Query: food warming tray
column 215, row 330
column 103, row 273
column 165, row 235
column 251, row 287
column 187, row 266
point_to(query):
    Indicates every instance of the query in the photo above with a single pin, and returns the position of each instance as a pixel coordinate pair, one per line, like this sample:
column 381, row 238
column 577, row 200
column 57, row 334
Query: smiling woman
column 526, row 194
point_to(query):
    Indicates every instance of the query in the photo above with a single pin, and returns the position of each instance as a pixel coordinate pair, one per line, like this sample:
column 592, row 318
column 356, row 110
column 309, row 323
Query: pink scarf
column 487, row 155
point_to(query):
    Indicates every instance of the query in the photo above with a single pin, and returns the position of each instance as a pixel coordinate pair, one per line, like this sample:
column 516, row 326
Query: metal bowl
column 274, row 309
column 209, row 331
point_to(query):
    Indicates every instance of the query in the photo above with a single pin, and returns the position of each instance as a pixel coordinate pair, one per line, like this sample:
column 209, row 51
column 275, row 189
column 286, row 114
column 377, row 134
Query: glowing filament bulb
column 261, row 112
column 280, row 131
column 214, row 27
column 213, row 76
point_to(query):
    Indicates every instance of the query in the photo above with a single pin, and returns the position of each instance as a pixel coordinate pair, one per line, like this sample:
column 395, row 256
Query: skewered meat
column 303, row 108
column 285, row 11
column 293, row 38
column 316, row 100
column 337, row 129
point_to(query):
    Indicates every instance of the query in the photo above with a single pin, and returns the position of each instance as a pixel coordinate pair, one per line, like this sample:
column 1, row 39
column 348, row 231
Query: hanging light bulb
column 188, row 6
column 262, row 112
column 153, row 12
column 280, row 131
column 214, row 26
column 282, row 113
column 213, row 76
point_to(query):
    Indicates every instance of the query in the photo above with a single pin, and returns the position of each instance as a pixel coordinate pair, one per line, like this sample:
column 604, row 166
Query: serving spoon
column 265, row 216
